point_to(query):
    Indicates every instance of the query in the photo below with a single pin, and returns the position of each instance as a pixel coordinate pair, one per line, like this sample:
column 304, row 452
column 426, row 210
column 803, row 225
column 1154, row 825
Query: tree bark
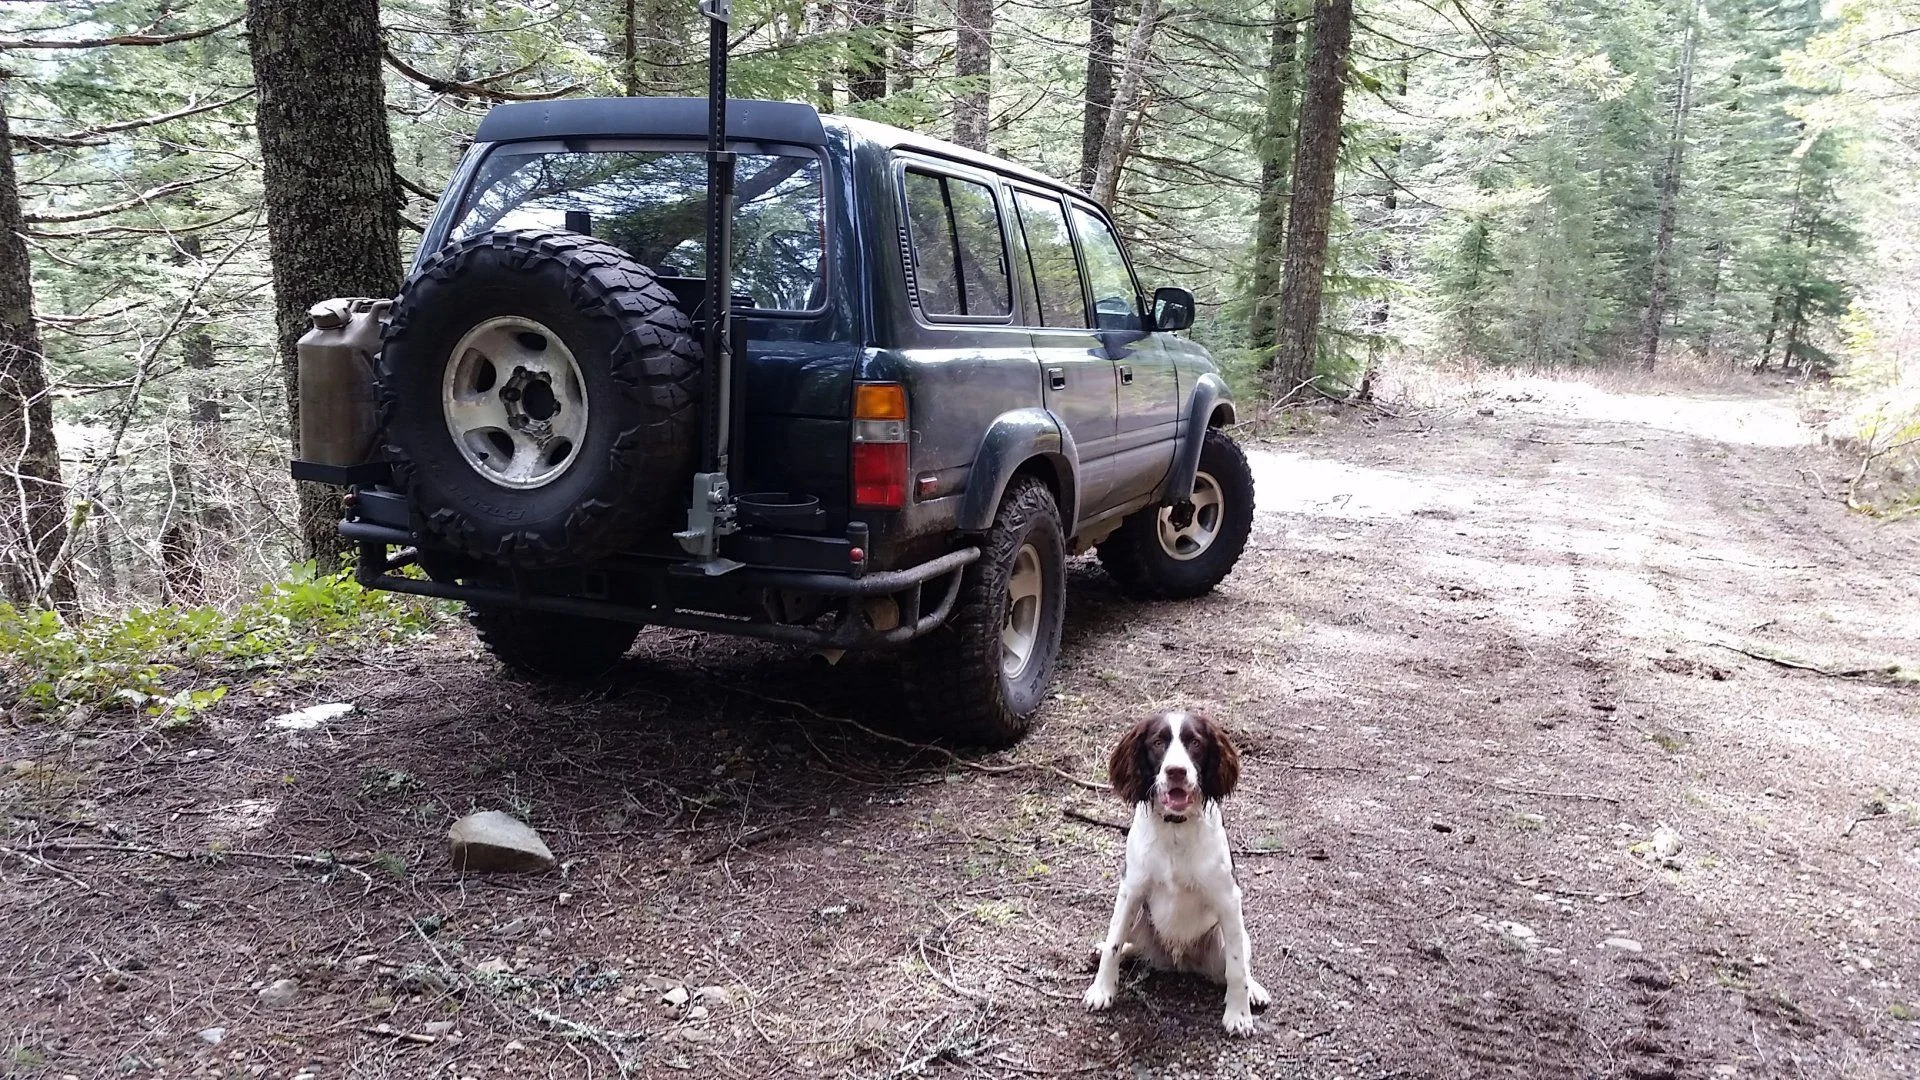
column 1669, row 199
column 1314, row 167
column 1276, row 173
column 630, row 48
column 1117, row 133
column 1093, row 123
column 327, row 169
column 906, row 36
column 973, row 61
column 33, row 505
column 867, row 68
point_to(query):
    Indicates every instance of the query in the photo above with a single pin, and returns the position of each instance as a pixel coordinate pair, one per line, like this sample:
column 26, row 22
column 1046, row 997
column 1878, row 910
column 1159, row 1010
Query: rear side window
column 1056, row 270
column 958, row 252
column 1116, row 303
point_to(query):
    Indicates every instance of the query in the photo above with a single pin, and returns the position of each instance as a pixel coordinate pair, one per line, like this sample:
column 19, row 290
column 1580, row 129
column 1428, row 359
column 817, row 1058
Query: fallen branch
column 1080, row 815
column 1539, row 792
column 745, row 840
column 1848, row 831
column 50, row 868
column 995, row 770
column 1882, row 670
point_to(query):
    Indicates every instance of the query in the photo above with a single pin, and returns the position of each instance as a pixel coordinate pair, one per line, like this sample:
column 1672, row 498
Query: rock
column 493, row 842
column 1666, row 842
column 280, row 993
column 675, row 997
column 697, row 1012
column 311, row 717
column 495, row 966
column 1518, row 931
column 713, row 995
column 515, row 1047
column 213, row 1035
column 437, row 1027
column 1625, row 944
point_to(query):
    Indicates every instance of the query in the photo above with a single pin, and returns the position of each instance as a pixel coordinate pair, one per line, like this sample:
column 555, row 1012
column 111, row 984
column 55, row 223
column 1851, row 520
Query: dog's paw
column 1237, row 1021
column 1257, row 995
column 1098, row 997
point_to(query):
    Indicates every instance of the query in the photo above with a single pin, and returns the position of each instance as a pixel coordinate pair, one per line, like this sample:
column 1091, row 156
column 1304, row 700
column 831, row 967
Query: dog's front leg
column 1106, row 981
column 1243, row 993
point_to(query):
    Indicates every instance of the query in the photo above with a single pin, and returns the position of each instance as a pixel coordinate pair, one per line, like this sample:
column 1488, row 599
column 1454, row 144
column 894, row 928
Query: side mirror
column 1172, row 308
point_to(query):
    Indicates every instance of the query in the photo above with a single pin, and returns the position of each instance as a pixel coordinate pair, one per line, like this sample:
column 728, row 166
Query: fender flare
column 1210, row 398
column 1014, row 439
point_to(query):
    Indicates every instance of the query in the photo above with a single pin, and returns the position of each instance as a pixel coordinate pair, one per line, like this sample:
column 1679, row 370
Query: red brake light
column 880, row 475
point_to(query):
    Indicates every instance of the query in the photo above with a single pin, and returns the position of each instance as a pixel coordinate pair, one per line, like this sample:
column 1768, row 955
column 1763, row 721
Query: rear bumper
column 743, row 602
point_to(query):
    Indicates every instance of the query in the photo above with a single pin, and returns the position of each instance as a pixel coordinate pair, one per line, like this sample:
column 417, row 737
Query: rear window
column 652, row 204
column 958, row 251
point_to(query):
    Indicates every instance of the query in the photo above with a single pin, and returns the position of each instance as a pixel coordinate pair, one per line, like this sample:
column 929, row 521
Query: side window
column 958, row 251
column 1056, row 271
column 935, row 271
column 1116, row 303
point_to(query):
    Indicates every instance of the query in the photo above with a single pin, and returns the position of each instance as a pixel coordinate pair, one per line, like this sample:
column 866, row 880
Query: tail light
column 879, row 445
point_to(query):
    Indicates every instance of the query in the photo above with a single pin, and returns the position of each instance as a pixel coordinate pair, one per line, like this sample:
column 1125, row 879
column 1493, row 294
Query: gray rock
column 1624, row 943
column 493, row 842
column 213, row 1035
column 280, row 993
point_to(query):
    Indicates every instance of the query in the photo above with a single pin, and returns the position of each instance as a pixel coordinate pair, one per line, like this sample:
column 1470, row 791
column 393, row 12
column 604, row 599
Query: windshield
column 652, row 204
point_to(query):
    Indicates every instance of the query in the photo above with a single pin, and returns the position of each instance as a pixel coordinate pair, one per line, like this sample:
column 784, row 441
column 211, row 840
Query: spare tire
column 539, row 399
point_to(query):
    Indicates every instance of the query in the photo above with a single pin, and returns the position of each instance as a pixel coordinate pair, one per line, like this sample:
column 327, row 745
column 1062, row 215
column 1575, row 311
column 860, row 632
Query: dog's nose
column 1177, row 773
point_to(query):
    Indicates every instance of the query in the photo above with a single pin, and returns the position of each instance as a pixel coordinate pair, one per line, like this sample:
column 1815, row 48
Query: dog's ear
column 1128, row 769
column 1220, row 759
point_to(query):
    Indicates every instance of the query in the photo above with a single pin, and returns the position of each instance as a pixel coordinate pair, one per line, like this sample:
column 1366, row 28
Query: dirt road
column 1475, row 661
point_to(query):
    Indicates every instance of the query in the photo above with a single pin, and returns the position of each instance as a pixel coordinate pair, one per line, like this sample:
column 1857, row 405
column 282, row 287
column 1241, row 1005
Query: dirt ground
column 1475, row 657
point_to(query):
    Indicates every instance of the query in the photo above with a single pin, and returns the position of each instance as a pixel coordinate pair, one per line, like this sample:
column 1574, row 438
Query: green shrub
column 171, row 663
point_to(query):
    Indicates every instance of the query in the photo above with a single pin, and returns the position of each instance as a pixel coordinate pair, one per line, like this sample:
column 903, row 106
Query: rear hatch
column 648, row 197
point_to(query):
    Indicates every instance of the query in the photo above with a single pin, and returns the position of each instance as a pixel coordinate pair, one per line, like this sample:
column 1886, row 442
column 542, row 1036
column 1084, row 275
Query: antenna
column 710, row 513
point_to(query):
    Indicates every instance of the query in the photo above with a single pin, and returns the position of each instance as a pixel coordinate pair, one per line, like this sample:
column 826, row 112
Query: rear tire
column 542, row 646
column 979, row 678
column 1153, row 558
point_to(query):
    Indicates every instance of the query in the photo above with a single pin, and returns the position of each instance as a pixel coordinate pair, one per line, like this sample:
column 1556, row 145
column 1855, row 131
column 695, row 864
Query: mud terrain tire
column 543, row 646
column 1149, row 562
column 614, row 372
column 959, row 681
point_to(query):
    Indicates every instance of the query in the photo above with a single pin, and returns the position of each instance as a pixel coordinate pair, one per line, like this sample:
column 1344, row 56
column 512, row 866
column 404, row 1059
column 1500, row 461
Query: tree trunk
column 867, row 69
column 630, row 48
column 906, row 36
column 1093, row 123
column 33, row 504
column 327, row 171
column 1117, row 135
column 1669, row 200
column 1276, row 172
column 1314, row 167
column 973, row 61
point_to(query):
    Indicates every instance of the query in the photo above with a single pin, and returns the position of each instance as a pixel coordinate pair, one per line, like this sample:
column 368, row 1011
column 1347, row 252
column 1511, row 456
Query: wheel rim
column 1192, row 540
column 515, row 402
column 1020, row 637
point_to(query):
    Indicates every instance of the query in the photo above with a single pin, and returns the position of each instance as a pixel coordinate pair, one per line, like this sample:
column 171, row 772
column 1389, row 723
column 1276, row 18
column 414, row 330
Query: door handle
column 1126, row 376
column 1057, row 378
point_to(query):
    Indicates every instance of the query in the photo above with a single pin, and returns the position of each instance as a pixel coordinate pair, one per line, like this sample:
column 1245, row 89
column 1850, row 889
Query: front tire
column 542, row 646
column 979, row 678
column 1155, row 556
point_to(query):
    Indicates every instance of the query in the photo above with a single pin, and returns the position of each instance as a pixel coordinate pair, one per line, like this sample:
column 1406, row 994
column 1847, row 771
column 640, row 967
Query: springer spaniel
column 1179, row 905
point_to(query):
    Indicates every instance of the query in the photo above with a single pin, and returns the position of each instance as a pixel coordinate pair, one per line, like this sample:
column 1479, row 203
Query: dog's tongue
column 1179, row 799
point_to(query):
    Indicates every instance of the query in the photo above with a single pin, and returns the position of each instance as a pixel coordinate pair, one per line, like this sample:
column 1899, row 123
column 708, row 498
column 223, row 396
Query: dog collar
column 1174, row 819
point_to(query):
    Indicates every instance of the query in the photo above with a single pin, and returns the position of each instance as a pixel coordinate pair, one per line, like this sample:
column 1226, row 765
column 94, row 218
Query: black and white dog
column 1179, row 905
